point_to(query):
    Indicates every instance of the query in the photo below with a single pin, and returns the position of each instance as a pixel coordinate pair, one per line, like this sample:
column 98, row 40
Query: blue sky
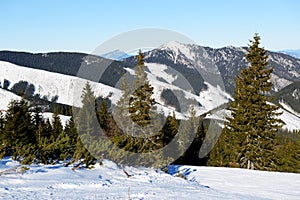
column 42, row 26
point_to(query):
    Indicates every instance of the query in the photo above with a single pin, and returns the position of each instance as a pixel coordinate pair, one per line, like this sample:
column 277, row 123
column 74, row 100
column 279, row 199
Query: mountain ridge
column 191, row 71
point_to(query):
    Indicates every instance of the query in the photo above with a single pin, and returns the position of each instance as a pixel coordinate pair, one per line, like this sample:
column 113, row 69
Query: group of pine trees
column 128, row 134
column 28, row 137
column 133, row 132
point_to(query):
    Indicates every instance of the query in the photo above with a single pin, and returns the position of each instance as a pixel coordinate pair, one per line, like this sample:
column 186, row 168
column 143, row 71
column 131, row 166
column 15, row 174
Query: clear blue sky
column 42, row 26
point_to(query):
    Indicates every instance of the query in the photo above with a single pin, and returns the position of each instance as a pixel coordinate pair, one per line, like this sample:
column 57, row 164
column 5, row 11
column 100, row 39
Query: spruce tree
column 18, row 133
column 141, row 100
column 87, row 126
column 2, row 136
column 121, row 114
column 253, row 121
column 87, row 121
column 103, row 115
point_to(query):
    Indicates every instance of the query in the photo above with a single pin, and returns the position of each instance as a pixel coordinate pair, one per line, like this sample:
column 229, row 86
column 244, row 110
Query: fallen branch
column 128, row 175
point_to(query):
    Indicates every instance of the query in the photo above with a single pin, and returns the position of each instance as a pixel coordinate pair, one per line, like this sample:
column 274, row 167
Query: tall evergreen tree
column 141, row 101
column 121, row 114
column 87, row 119
column 87, row 126
column 253, row 121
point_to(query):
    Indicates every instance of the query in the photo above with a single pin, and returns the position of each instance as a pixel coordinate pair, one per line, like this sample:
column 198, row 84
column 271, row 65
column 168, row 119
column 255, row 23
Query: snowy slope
column 289, row 109
column 6, row 97
column 290, row 119
column 67, row 88
column 109, row 182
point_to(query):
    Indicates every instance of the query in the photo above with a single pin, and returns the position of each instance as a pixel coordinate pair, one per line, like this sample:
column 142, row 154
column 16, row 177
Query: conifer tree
column 71, row 131
column 254, row 121
column 86, row 115
column 57, row 127
column 18, row 132
column 2, row 137
column 87, row 126
column 121, row 113
column 103, row 115
column 141, row 100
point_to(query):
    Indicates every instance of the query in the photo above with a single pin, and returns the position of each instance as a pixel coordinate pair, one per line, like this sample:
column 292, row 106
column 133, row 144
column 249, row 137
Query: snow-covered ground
column 110, row 182
column 6, row 97
column 258, row 184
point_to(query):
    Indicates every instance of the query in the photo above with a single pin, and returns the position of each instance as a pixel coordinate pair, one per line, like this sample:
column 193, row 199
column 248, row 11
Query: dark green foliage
column 27, row 137
column 141, row 101
column 87, row 126
column 249, row 138
column 18, row 129
column 192, row 152
column 288, row 151
column 103, row 116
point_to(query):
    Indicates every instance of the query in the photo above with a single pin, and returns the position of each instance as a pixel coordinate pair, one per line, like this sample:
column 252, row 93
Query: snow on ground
column 291, row 120
column 110, row 182
column 288, row 108
column 159, row 70
column 213, row 97
column 63, row 118
column 6, row 97
column 258, row 184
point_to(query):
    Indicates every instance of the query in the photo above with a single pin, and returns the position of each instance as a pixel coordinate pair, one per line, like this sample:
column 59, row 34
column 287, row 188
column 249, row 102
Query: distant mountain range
column 294, row 53
column 115, row 55
column 209, row 72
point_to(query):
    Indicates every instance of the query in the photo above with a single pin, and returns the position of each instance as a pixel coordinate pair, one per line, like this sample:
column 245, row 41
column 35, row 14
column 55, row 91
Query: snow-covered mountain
column 225, row 63
column 196, row 75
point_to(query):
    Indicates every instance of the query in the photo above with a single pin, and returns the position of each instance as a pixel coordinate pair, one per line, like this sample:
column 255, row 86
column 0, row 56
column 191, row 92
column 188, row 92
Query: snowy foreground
column 110, row 182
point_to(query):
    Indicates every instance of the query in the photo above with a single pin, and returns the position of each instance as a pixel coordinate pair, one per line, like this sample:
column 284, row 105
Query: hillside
column 219, row 66
column 182, row 75
column 290, row 95
column 194, row 62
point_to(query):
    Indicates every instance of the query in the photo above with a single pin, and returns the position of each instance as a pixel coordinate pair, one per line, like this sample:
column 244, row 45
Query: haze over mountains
column 292, row 52
column 197, row 75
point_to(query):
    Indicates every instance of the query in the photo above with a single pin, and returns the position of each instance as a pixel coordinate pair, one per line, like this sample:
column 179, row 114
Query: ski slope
column 110, row 182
